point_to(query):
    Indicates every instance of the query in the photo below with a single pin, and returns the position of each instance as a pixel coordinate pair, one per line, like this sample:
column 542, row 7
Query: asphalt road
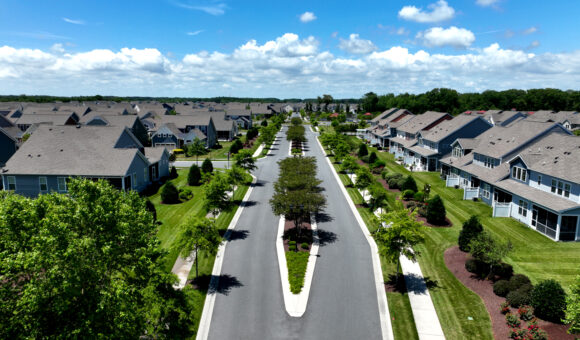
column 249, row 303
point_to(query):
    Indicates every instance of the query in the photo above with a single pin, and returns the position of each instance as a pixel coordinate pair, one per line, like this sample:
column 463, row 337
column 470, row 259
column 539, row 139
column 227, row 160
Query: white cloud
column 439, row 11
column 287, row 66
column 73, row 21
column 307, row 17
column 452, row 36
column 530, row 30
column 355, row 45
column 57, row 48
column 402, row 31
column 213, row 9
column 534, row 44
column 194, row 33
column 486, row 3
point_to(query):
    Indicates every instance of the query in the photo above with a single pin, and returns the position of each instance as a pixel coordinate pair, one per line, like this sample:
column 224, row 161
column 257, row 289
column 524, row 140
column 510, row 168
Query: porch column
column 558, row 227
column 577, row 229
column 123, row 183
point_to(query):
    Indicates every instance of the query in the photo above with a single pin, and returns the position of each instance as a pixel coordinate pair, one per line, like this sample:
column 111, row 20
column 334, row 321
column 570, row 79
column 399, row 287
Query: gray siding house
column 53, row 154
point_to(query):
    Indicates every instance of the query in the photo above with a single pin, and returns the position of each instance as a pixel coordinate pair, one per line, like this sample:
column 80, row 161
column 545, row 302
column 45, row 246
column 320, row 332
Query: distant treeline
column 447, row 100
column 444, row 100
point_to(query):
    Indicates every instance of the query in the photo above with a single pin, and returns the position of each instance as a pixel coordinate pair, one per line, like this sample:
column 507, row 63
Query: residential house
column 432, row 144
column 242, row 117
column 386, row 128
column 8, row 146
column 186, row 123
column 498, row 117
column 171, row 137
column 226, row 129
column 26, row 120
column 53, row 154
column 406, row 134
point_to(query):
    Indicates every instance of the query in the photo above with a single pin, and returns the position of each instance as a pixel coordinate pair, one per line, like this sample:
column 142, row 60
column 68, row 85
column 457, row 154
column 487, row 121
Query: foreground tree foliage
column 573, row 307
column 401, row 234
column 85, row 265
column 197, row 234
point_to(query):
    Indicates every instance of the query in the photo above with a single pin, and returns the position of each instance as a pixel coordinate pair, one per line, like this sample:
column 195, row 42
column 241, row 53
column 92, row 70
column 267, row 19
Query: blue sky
column 285, row 49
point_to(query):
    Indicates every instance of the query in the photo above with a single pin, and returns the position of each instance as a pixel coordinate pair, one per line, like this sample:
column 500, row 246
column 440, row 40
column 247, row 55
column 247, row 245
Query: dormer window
column 457, row 152
column 519, row 173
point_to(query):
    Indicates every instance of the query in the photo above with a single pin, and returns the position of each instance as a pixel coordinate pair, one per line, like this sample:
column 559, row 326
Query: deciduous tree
column 197, row 234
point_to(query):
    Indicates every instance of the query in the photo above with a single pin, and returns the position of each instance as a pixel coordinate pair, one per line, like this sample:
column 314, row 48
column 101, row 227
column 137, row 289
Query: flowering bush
column 536, row 333
column 504, row 307
column 526, row 312
column 518, row 334
column 512, row 320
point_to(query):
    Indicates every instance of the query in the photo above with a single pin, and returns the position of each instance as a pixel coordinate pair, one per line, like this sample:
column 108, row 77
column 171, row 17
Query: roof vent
column 78, row 126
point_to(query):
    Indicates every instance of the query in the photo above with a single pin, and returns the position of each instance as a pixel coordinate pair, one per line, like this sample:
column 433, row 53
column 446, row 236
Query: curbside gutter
column 206, row 315
column 385, row 318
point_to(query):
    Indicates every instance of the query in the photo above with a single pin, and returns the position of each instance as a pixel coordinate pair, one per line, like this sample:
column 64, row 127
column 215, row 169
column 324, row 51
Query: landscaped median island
column 297, row 198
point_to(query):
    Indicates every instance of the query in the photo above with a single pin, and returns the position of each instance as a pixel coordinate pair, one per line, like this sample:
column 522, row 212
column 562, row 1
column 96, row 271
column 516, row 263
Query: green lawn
column 453, row 302
column 173, row 215
column 214, row 154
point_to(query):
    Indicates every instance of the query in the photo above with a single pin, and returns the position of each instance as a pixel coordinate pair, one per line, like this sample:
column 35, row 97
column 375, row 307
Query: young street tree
column 364, row 178
column 244, row 160
column 488, row 250
column 86, row 265
column 236, row 176
column 403, row 233
column 197, row 148
column 194, row 175
column 296, row 192
column 197, row 234
column 216, row 197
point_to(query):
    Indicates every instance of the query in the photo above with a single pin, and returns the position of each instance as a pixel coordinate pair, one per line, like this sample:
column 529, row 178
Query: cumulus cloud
column 287, row 66
column 355, row 45
column 307, row 17
column 452, row 36
column 437, row 12
column 486, row 3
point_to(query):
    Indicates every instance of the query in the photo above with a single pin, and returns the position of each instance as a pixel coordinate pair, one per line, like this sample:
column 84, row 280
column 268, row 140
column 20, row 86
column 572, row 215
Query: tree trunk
column 196, row 271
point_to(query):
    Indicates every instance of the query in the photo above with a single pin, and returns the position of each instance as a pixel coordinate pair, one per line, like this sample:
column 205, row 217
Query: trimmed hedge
column 518, row 280
column 520, row 297
column 549, row 300
column 501, row 288
column 169, row 194
column 471, row 228
column 409, row 184
column 436, row 211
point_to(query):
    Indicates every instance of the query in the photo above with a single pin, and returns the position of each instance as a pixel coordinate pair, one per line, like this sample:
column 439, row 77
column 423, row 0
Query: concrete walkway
column 181, row 268
column 426, row 320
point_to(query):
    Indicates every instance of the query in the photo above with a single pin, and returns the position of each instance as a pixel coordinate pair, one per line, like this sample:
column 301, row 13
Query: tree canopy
column 85, row 265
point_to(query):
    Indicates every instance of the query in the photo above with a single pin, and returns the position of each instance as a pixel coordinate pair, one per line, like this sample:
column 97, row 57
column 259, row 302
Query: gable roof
column 72, row 151
column 420, row 122
column 448, row 127
column 499, row 141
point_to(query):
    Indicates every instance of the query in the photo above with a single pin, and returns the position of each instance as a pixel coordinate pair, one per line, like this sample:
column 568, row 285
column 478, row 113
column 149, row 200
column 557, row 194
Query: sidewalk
column 426, row 320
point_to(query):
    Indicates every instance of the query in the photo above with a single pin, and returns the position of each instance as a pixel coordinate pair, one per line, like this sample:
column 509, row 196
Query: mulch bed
column 455, row 262
column 290, row 233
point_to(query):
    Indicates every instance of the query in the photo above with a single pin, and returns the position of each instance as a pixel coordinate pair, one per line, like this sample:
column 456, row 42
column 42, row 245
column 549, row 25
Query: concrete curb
column 296, row 303
column 385, row 318
column 206, row 315
column 258, row 150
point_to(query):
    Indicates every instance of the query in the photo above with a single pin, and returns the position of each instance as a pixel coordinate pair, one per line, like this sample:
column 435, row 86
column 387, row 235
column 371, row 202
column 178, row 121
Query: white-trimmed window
column 11, row 182
column 457, row 152
column 523, row 208
column 485, row 190
column 43, row 184
column 134, row 180
column 61, row 184
column 561, row 188
column 519, row 173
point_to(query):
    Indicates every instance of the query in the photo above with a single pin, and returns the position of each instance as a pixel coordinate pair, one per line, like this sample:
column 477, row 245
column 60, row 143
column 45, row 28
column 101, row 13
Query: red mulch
column 386, row 185
column 306, row 233
column 455, row 262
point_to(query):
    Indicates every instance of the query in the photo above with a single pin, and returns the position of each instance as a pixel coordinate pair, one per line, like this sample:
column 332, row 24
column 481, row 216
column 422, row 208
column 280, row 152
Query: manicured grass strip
column 296, row 262
column 402, row 316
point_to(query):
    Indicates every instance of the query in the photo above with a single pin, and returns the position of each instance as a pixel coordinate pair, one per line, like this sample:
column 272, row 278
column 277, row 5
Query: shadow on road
column 259, row 183
column 322, row 217
column 326, row 237
column 213, row 284
column 236, row 235
column 249, row 204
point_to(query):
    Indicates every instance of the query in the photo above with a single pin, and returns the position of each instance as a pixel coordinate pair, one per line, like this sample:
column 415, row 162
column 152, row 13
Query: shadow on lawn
column 211, row 284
